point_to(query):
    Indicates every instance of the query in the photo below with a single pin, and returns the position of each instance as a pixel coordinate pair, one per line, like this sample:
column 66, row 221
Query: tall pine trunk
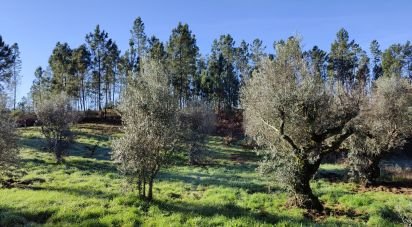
column 99, row 88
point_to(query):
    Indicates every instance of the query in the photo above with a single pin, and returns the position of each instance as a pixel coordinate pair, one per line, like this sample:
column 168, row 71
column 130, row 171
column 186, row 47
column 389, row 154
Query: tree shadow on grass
column 74, row 149
column 231, row 181
column 86, row 164
column 85, row 150
column 90, row 166
column 228, row 210
column 93, row 136
column 86, row 192
column 14, row 217
column 33, row 142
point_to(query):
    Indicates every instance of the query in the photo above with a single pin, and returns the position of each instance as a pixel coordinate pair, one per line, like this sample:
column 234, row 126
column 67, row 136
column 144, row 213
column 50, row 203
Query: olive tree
column 149, row 114
column 8, row 137
column 384, row 126
column 55, row 115
column 297, row 118
column 196, row 122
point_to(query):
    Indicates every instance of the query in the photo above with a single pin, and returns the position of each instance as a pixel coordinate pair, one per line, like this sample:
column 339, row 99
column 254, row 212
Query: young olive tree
column 297, row 119
column 385, row 125
column 8, row 137
column 149, row 114
column 55, row 115
column 196, row 121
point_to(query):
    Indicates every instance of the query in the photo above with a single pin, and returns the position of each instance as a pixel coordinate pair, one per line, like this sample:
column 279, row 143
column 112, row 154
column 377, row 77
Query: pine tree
column 407, row 53
column 15, row 71
column 226, row 45
column 377, row 59
column 343, row 58
column 81, row 63
column 362, row 71
column 6, row 62
column 317, row 60
column 41, row 85
column 257, row 52
column 110, row 67
column 392, row 60
column 243, row 57
column 97, row 44
column 138, row 44
column 198, row 90
column 61, row 65
column 182, row 53
column 156, row 50
column 222, row 70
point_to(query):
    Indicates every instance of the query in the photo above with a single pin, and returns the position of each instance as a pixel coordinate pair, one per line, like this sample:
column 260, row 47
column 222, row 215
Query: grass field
column 88, row 191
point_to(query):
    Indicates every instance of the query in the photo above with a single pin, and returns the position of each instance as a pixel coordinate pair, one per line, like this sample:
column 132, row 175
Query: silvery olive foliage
column 149, row 113
column 55, row 115
column 297, row 118
column 196, row 121
column 8, row 137
column 384, row 125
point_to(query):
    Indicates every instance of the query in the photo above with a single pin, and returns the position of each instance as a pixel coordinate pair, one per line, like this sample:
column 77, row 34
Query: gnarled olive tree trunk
column 302, row 195
column 364, row 169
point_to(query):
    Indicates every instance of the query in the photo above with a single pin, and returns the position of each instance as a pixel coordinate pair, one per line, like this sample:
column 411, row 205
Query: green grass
column 88, row 191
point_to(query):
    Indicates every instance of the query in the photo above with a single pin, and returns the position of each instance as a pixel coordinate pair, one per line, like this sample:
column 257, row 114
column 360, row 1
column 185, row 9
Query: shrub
column 55, row 115
column 196, row 121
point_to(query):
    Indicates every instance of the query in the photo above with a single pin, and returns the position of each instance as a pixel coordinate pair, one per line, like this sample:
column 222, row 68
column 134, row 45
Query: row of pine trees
column 95, row 73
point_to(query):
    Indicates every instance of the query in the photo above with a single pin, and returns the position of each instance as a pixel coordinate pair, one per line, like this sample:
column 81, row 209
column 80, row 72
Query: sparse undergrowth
column 87, row 190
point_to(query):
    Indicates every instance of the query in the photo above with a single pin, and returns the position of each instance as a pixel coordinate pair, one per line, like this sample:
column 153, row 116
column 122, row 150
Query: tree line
column 96, row 73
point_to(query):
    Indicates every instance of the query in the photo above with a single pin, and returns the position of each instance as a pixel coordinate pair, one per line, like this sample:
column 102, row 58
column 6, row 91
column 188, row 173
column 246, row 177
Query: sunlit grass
column 88, row 191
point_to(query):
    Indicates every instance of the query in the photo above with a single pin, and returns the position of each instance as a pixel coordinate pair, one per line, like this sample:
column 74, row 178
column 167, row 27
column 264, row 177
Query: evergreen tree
column 15, row 71
column 182, row 53
column 201, row 71
column 230, row 79
column 149, row 113
column 41, row 85
column 377, row 59
column 242, row 61
column 61, row 65
column 6, row 62
column 362, row 72
column 206, row 82
column 138, row 45
column 212, row 82
column 110, row 67
column 97, row 42
column 223, row 82
column 81, row 63
column 343, row 58
column 397, row 60
column 407, row 52
column 156, row 50
column 317, row 60
column 285, row 108
column 257, row 52
column 392, row 60
column 123, row 69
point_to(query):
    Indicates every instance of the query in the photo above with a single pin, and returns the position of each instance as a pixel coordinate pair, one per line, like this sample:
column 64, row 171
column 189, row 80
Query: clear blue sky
column 37, row 25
